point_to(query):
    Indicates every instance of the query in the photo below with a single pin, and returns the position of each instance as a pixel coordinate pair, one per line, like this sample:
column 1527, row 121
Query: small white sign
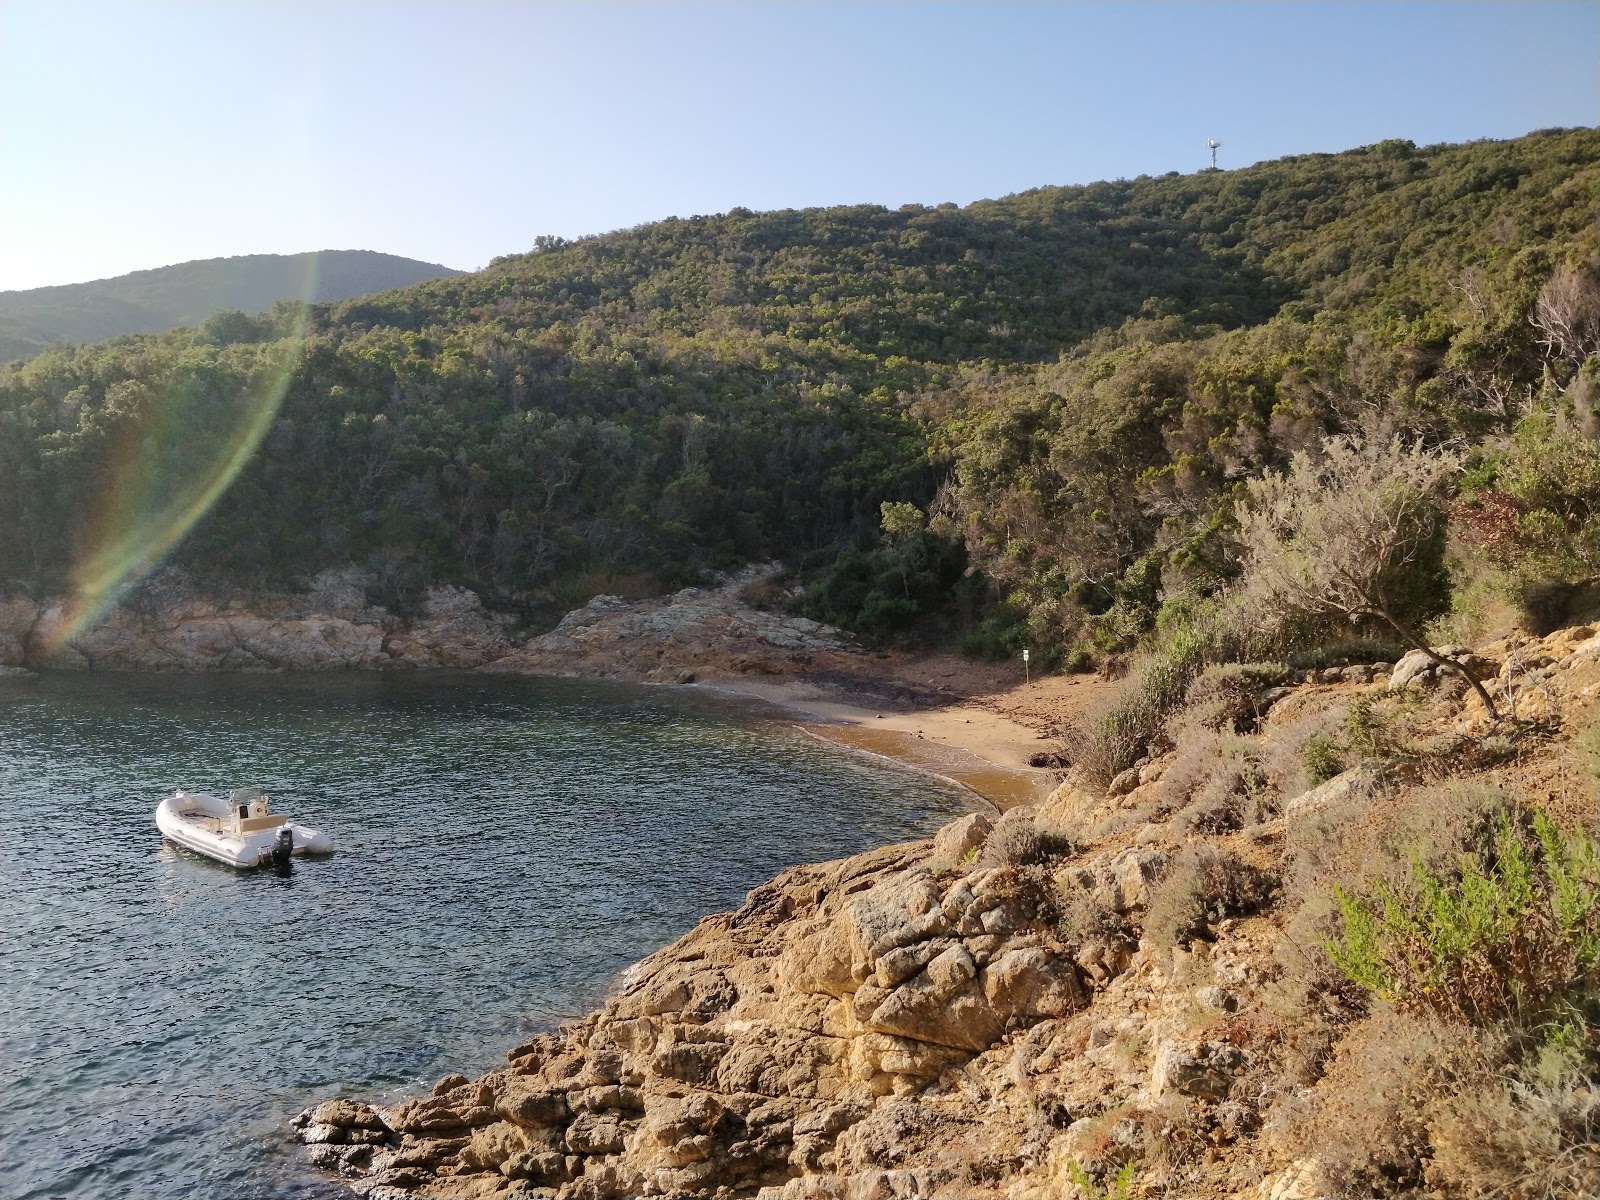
column 1024, row 656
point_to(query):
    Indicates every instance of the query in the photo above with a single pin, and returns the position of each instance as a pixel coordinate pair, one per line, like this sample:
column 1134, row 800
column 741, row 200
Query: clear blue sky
column 134, row 135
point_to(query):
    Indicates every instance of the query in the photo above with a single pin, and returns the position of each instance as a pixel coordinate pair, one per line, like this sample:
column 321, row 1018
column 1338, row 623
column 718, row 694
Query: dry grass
column 1363, row 1121
column 1412, row 1103
column 1525, row 1133
column 1216, row 782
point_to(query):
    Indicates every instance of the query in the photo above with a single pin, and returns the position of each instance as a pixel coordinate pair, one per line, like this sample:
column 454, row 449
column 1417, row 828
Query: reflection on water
column 505, row 847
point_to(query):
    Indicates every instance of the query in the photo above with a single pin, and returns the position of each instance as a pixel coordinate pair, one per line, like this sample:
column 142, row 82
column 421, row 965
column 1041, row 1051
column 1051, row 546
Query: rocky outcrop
column 791, row 1047
column 171, row 625
column 676, row 638
column 1020, row 1007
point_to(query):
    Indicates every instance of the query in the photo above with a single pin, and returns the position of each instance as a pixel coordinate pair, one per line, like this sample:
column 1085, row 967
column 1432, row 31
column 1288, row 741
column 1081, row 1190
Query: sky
column 134, row 135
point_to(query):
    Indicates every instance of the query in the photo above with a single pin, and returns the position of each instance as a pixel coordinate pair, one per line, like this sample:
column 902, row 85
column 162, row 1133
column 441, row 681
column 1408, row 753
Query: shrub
column 1355, row 534
column 1120, row 1187
column 1125, row 730
column 1521, row 1122
column 1283, row 755
column 1514, row 931
column 1203, row 885
column 1228, row 695
column 1535, row 520
column 1216, row 782
column 1323, row 760
column 1085, row 919
column 1363, row 1122
column 1336, row 652
column 1017, row 841
column 1367, row 727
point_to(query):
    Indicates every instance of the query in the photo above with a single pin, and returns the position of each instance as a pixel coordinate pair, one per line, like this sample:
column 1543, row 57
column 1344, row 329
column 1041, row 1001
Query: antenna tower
column 1212, row 144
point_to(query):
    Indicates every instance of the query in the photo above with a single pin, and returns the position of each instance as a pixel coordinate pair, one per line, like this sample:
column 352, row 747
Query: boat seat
column 255, row 824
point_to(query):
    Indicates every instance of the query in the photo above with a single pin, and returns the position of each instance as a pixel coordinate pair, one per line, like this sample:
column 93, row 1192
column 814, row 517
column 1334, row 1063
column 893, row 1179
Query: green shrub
column 1323, row 760
column 1120, row 1187
column 1373, row 728
column 1517, row 929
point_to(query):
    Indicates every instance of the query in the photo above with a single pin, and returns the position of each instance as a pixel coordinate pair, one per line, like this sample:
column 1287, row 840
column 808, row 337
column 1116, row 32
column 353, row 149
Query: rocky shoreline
column 1009, row 1009
column 851, row 1016
column 1016, row 1008
column 171, row 625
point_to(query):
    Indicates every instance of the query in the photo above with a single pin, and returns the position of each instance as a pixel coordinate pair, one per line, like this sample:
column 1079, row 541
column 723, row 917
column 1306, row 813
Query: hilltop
column 35, row 319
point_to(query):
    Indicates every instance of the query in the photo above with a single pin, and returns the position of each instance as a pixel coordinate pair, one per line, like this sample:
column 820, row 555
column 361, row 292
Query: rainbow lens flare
column 174, row 449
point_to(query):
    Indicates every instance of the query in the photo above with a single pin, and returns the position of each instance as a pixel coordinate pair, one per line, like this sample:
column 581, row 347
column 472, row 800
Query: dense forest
column 185, row 294
column 1025, row 421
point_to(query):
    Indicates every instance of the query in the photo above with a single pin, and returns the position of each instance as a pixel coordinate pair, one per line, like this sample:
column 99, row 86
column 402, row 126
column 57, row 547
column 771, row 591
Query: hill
column 1025, row 420
column 187, row 293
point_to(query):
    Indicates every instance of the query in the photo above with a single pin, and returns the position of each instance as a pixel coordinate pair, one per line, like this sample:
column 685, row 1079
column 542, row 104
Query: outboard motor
column 282, row 849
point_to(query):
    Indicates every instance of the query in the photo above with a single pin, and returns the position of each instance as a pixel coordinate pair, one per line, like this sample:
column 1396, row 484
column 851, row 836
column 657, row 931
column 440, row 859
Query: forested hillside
column 1024, row 420
column 151, row 301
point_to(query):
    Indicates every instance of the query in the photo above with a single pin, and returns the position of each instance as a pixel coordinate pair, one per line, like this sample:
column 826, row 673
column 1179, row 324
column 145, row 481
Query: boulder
column 1032, row 983
column 1123, row 783
column 1205, row 1071
column 1358, row 783
column 959, row 841
column 1411, row 668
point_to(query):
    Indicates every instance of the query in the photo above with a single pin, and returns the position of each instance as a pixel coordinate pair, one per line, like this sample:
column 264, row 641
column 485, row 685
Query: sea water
column 505, row 847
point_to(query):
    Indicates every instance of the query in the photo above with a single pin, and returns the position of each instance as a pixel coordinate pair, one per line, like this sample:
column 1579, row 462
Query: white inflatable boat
column 241, row 831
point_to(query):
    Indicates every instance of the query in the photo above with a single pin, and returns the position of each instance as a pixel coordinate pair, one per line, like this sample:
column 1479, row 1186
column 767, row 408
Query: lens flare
column 177, row 449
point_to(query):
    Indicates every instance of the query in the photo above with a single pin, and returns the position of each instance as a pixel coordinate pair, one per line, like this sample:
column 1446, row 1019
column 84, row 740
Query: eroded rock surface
column 675, row 638
column 799, row 1046
column 172, row 625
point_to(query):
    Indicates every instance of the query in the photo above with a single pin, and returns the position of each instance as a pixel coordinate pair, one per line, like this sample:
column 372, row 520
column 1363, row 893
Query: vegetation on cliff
column 1057, row 395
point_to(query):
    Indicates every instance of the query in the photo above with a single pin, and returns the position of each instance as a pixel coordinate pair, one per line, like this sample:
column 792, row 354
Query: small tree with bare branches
column 1344, row 534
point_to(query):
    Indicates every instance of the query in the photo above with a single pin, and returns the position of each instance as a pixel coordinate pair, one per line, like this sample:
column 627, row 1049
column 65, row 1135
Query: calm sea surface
column 506, row 846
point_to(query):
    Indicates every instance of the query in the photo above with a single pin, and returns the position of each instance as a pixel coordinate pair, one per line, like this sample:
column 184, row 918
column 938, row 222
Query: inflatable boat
column 241, row 831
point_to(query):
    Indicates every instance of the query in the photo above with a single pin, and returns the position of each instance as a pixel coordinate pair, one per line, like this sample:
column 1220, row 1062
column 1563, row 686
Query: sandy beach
column 946, row 715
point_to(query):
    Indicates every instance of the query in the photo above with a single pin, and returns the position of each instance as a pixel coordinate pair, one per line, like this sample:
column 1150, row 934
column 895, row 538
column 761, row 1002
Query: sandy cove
column 986, row 741
column 975, row 723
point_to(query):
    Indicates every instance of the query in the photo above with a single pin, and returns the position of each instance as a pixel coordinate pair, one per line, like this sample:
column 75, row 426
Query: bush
column 1323, row 760
column 1120, row 1187
column 1216, row 782
column 1201, row 886
column 1514, row 931
column 1122, row 734
column 1016, row 841
column 1228, row 695
column 1520, row 1121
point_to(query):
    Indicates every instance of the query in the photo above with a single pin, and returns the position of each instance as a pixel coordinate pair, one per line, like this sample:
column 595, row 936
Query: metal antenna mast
column 1213, row 144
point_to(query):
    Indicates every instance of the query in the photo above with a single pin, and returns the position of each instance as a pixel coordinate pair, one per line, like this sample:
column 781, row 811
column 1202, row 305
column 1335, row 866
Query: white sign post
column 1027, row 672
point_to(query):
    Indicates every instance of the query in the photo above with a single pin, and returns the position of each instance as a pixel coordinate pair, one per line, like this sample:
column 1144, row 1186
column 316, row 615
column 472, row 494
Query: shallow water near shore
column 506, row 846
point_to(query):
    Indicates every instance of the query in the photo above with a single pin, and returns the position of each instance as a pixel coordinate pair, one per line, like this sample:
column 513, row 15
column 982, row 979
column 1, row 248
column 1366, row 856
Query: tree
column 1348, row 534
